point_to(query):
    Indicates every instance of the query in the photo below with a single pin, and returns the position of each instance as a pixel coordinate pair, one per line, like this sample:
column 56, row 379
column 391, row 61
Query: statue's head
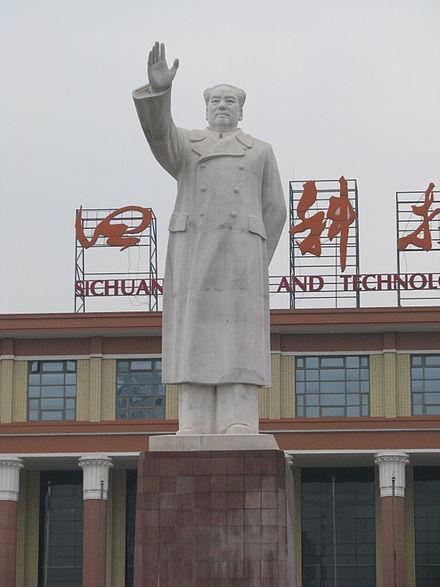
column 224, row 106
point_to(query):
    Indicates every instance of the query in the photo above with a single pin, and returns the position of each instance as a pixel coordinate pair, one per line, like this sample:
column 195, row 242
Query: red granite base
column 211, row 519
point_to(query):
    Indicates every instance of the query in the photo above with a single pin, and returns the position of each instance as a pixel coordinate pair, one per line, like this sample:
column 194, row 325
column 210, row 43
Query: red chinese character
column 316, row 223
column 342, row 213
column 115, row 233
column 425, row 241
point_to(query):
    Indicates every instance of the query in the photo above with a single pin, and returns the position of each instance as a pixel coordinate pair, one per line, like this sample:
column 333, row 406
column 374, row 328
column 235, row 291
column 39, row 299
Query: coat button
column 241, row 167
column 201, row 214
column 236, row 190
column 203, row 188
column 203, row 165
column 233, row 214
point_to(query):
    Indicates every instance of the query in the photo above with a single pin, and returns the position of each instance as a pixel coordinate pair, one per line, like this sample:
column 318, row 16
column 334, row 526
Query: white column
column 10, row 477
column 95, row 468
column 391, row 464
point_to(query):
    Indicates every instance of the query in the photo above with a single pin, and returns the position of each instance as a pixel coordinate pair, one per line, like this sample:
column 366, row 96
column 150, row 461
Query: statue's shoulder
column 263, row 147
column 196, row 135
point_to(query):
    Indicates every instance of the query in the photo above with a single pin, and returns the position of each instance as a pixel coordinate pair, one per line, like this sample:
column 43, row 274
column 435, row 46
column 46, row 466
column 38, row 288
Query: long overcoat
column 227, row 220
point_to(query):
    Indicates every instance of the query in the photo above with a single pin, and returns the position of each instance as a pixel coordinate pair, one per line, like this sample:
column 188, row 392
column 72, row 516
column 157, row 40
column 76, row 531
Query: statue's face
column 223, row 110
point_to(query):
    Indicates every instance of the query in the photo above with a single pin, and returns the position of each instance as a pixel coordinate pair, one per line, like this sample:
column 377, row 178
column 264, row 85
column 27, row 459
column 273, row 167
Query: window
column 52, row 390
column 338, row 527
column 332, row 386
column 140, row 393
column 425, row 384
column 427, row 525
column 61, row 529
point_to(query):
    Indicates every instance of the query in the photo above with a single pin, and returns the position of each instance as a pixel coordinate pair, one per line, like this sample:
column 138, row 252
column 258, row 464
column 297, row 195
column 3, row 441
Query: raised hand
column 159, row 76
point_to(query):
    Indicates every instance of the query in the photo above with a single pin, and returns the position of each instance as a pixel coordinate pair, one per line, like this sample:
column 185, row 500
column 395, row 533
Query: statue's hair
column 241, row 94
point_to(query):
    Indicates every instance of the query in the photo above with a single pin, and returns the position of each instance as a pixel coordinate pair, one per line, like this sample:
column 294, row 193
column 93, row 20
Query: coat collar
column 207, row 144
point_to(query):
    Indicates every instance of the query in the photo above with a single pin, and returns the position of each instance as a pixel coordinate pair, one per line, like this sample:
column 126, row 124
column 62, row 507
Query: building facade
column 354, row 403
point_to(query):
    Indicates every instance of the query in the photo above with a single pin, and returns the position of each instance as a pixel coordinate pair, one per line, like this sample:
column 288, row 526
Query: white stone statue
column 227, row 220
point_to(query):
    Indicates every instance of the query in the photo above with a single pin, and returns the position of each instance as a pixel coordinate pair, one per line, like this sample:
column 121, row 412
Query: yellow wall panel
column 82, row 389
column 171, row 402
column 20, row 387
column 274, row 395
column 403, row 385
column 263, row 402
column 377, row 385
column 108, row 404
column 6, row 390
column 95, row 390
column 390, row 404
column 287, row 386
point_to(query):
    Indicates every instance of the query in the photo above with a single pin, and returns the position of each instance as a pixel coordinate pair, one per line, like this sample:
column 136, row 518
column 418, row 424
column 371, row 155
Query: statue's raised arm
column 159, row 75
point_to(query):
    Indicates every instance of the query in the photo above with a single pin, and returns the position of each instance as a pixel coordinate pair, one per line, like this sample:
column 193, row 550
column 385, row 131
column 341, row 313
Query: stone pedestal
column 211, row 517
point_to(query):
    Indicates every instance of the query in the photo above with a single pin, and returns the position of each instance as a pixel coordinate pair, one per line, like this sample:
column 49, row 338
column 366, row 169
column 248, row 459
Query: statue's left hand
column 159, row 76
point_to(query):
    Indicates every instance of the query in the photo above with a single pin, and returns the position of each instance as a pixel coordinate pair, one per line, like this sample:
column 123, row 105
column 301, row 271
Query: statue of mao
column 227, row 220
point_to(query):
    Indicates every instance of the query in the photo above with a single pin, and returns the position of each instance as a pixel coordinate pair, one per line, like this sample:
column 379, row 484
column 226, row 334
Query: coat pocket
column 256, row 226
column 178, row 222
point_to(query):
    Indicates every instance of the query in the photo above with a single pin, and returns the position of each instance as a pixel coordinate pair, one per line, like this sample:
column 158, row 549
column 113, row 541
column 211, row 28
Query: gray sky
column 346, row 87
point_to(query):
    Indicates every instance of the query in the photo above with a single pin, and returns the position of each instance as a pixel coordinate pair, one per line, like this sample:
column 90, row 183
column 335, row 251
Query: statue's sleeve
column 273, row 203
column 165, row 139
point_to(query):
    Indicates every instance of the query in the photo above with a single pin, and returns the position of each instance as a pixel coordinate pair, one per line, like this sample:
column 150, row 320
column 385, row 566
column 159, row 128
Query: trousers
column 218, row 409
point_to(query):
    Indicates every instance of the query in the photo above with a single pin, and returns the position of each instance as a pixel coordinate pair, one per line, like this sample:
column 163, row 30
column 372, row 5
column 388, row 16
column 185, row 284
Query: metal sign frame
column 413, row 211
column 328, row 263
column 147, row 240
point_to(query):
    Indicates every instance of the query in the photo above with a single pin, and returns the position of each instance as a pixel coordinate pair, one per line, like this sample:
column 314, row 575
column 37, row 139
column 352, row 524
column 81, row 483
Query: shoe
column 239, row 429
column 189, row 431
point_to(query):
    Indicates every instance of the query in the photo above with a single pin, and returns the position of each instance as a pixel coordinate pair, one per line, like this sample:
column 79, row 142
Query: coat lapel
column 207, row 144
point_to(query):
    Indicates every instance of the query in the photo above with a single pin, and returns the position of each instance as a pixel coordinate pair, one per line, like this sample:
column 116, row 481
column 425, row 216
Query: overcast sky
column 341, row 87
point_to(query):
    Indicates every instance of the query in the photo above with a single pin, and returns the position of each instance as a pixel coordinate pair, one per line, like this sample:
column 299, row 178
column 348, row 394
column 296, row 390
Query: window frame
column 312, row 374
column 419, row 385
column 52, row 391
column 157, row 389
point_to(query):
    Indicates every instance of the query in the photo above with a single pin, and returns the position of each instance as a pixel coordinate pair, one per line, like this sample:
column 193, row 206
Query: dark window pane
column 130, row 527
column 353, row 502
column 427, row 525
column 61, row 527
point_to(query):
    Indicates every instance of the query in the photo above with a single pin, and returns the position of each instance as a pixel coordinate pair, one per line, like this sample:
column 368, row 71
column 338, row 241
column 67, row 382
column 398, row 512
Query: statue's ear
column 240, row 116
column 206, row 113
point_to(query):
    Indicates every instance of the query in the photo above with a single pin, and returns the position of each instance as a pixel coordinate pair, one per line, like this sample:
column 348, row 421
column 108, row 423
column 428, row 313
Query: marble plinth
column 213, row 442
